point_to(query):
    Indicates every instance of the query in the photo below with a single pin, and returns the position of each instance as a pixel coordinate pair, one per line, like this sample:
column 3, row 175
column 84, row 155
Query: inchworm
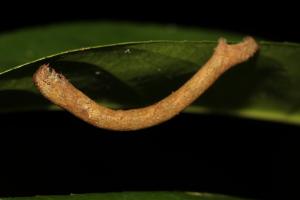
column 60, row 91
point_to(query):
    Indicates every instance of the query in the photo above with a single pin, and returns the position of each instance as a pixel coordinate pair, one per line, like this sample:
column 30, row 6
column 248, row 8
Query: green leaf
column 133, row 196
column 139, row 73
column 27, row 45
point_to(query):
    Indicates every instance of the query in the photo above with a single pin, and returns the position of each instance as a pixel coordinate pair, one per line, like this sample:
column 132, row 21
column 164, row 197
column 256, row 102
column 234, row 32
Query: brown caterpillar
column 60, row 91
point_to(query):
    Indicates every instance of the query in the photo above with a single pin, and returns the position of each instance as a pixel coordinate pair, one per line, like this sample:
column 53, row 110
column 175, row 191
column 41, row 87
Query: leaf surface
column 135, row 74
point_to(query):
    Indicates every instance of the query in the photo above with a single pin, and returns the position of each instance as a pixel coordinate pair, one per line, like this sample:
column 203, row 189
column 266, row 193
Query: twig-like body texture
column 60, row 91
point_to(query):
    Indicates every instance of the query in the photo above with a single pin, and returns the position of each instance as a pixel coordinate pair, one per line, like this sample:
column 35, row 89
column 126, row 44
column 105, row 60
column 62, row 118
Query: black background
column 276, row 21
column 54, row 153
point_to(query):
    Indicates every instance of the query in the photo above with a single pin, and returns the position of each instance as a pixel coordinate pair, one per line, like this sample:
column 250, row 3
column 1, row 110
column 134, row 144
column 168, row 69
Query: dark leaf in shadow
column 260, row 77
column 98, row 84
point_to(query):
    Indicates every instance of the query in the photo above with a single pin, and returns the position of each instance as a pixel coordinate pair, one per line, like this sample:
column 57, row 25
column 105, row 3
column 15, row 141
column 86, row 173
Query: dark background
column 55, row 153
column 275, row 21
